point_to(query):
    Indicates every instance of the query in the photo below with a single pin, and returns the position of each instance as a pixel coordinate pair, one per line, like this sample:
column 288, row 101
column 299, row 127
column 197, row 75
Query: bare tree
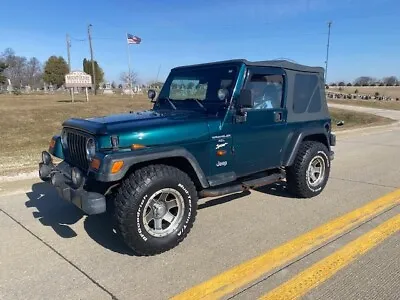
column 363, row 81
column 390, row 81
column 33, row 71
column 21, row 71
column 129, row 78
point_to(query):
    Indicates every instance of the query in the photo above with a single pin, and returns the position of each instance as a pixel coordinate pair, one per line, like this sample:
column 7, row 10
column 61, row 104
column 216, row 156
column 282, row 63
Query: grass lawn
column 355, row 119
column 28, row 122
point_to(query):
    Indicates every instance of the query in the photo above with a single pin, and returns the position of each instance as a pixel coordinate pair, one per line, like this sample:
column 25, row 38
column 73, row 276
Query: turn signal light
column 117, row 166
column 52, row 143
column 137, row 146
column 95, row 164
column 221, row 152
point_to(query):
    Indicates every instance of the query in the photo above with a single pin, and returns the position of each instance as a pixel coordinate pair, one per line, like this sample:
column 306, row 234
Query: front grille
column 77, row 149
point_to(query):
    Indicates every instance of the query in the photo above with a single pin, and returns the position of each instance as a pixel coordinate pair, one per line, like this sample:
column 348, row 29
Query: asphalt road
column 49, row 250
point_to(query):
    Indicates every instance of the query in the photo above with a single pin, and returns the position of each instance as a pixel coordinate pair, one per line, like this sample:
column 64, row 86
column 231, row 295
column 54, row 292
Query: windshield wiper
column 169, row 101
column 198, row 102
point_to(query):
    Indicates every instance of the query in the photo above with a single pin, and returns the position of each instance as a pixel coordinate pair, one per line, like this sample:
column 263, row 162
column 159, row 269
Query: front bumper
column 61, row 179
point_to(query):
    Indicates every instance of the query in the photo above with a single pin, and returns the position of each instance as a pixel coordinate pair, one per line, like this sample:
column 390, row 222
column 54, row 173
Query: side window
column 266, row 90
column 306, row 94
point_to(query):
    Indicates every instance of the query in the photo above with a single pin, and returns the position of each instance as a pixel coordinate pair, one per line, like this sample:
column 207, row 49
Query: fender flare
column 295, row 140
column 146, row 155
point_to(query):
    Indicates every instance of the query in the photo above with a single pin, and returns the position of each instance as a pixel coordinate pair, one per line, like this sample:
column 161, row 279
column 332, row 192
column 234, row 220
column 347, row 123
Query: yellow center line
column 327, row 267
column 249, row 271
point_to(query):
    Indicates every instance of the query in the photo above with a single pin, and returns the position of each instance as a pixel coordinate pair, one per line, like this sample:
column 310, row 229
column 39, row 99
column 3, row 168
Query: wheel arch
column 178, row 162
column 176, row 157
column 315, row 134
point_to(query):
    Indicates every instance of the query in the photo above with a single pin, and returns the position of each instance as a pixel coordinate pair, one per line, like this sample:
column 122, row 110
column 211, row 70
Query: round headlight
column 64, row 140
column 90, row 149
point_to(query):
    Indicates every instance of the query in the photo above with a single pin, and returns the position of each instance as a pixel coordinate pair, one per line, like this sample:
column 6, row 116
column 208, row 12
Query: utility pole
column 129, row 68
column 69, row 52
column 69, row 63
column 158, row 72
column 327, row 50
column 91, row 57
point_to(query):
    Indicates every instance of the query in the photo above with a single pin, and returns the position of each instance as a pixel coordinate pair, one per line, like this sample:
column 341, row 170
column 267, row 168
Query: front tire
column 309, row 174
column 155, row 208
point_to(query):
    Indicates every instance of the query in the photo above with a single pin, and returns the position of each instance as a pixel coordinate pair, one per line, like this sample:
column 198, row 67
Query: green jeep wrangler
column 214, row 129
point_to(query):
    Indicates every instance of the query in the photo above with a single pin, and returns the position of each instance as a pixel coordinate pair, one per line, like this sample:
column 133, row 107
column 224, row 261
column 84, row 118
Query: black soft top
column 305, row 87
column 284, row 64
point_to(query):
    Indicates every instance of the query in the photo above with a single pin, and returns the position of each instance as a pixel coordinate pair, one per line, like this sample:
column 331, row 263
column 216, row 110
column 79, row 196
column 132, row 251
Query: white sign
column 78, row 79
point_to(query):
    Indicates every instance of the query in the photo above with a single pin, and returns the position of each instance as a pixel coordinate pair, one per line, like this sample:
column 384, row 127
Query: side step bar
column 243, row 186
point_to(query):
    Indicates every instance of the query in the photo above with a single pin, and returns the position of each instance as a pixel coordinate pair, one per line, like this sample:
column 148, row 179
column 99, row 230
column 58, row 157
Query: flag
column 133, row 39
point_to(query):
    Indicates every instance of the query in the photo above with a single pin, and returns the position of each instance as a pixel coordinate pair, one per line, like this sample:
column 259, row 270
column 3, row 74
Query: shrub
column 376, row 94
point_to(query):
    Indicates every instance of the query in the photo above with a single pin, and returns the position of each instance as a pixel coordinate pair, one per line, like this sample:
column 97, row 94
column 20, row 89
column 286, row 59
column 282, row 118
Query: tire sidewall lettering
column 139, row 217
column 189, row 213
column 184, row 223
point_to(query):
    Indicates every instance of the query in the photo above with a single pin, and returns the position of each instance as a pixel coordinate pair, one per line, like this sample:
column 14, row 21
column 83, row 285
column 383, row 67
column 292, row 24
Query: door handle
column 278, row 116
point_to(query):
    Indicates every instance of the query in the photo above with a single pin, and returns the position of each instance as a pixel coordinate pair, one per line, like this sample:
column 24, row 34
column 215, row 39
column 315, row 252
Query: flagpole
column 129, row 65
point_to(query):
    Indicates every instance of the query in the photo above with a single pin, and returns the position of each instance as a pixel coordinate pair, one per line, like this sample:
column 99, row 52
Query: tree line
column 369, row 81
column 23, row 71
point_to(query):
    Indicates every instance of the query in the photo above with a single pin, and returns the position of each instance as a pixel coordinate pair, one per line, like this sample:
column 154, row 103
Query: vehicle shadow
column 278, row 189
column 53, row 211
column 60, row 215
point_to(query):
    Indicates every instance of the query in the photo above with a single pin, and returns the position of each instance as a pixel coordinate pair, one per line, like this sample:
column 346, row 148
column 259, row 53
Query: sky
column 365, row 35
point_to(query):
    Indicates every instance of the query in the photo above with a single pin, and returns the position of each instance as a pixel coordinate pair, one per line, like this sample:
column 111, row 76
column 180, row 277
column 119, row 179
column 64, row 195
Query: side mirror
column 246, row 99
column 151, row 94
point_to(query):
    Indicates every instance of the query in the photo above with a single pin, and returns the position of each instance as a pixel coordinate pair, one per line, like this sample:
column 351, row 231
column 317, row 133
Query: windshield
column 203, row 88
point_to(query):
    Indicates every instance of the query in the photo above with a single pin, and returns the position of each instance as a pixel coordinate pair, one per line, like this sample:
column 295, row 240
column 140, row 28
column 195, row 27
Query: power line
column 78, row 40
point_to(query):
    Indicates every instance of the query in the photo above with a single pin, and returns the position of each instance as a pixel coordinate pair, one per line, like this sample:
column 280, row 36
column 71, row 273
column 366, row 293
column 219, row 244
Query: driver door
column 259, row 138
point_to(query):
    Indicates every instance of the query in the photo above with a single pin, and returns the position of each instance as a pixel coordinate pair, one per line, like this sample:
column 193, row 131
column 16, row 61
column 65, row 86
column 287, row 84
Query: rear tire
column 309, row 174
column 155, row 208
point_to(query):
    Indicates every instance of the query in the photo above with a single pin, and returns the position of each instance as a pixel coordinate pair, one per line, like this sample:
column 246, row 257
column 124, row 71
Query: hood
column 147, row 127
column 119, row 122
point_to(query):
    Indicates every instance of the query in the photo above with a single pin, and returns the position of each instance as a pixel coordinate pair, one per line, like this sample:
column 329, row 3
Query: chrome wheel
column 163, row 212
column 316, row 171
